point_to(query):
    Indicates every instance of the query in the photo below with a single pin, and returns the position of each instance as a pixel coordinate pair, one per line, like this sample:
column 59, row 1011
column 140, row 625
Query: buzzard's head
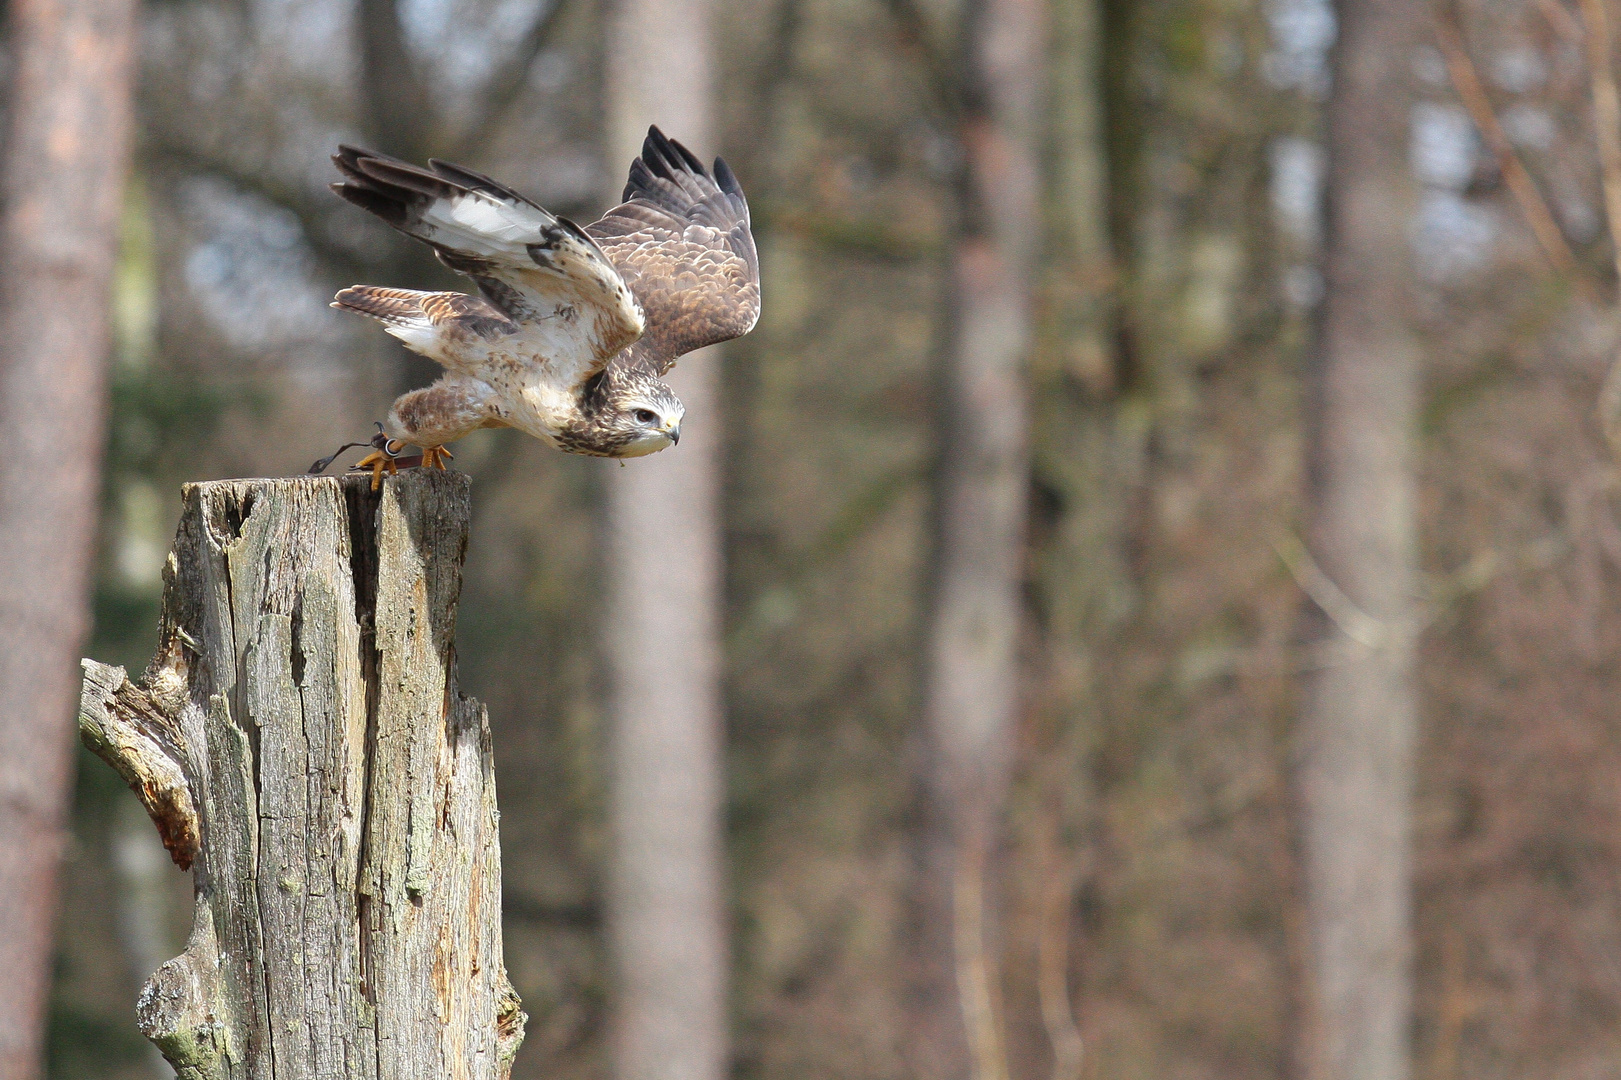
column 643, row 416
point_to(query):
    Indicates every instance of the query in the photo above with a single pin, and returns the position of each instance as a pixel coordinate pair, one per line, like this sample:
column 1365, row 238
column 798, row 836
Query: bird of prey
column 574, row 328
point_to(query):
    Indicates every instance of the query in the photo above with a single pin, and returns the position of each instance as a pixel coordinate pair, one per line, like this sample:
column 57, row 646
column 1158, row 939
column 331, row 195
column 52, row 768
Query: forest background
column 1149, row 878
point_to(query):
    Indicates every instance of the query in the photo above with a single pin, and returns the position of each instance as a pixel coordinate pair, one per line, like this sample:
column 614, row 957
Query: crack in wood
column 300, row 742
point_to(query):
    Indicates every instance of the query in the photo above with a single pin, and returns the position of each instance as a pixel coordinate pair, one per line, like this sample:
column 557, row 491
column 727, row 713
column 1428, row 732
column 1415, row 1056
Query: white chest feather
column 535, row 373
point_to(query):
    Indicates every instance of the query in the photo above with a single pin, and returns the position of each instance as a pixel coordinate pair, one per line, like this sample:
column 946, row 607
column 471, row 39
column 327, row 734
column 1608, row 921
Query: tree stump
column 300, row 742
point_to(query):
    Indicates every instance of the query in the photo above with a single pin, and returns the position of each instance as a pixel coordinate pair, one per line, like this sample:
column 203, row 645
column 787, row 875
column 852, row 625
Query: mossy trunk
column 300, row 742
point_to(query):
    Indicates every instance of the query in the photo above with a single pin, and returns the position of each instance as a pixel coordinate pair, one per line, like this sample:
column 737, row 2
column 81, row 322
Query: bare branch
column 1466, row 80
column 121, row 724
column 504, row 87
column 1052, row 960
column 1606, row 116
column 399, row 108
column 1341, row 610
column 338, row 258
column 1560, row 18
column 771, row 80
column 977, row 991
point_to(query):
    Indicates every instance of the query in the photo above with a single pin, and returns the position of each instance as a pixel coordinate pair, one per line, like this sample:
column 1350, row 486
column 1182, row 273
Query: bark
column 666, row 910
column 300, row 742
column 1360, row 712
column 401, row 115
column 66, row 157
column 1081, row 586
column 1080, row 262
column 970, row 692
column 398, row 105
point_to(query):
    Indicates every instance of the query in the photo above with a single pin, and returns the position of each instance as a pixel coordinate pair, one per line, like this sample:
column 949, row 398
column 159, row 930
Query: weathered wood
column 301, row 744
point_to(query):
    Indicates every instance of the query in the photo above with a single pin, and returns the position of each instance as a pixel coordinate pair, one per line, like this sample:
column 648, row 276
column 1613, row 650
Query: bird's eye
column 645, row 416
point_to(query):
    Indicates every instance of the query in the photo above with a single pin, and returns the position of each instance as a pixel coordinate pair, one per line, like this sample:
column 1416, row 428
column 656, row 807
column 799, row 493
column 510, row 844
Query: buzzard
column 574, row 328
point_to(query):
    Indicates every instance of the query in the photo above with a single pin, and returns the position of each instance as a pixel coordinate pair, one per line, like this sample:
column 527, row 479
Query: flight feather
column 574, row 327
column 680, row 238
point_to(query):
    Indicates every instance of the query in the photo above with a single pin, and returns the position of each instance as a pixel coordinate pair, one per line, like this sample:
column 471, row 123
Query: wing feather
column 681, row 240
column 451, row 328
column 531, row 264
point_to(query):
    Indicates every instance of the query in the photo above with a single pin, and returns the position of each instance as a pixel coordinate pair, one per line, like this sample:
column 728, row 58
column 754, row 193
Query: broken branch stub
column 301, row 744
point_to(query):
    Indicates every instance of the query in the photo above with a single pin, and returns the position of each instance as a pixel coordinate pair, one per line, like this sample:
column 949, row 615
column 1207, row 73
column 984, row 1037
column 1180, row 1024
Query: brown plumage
column 681, row 240
column 447, row 311
column 574, row 327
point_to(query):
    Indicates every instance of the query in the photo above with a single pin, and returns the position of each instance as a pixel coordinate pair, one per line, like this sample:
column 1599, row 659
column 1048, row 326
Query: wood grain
column 301, row 741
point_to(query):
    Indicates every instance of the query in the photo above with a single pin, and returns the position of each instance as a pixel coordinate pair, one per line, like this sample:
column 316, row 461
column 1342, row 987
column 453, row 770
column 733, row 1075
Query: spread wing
column 681, row 241
column 539, row 270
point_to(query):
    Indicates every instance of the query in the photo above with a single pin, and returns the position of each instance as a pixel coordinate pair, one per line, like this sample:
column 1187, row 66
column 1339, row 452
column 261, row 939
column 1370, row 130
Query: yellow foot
column 434, row 457
column 377, row 461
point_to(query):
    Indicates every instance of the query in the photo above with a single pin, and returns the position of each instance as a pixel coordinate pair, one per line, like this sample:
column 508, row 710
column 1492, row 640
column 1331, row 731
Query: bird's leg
column 377, row 461
column 435, row 457
column 386, row 455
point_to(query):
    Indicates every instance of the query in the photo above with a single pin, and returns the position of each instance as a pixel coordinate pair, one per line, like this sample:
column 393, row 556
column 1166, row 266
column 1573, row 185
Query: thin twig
column 343, row 261
column 1473, row 94
column 1341, row 610
column 1366, row 630
column 1607, row 127
column 1606, row 116
column 507, row 84
column 1560, row 18
column 1609, row 409
column 977, row 991
column 1052, row 960
column 772, row 79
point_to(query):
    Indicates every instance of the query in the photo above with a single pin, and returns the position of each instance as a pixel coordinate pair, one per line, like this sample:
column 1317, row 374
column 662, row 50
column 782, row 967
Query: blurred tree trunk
column 1079, row 272
column 398, row 108
column 1080, row 583
column 66, row 158
column 1360, row 710
column 400, row 117
column 970, row 691
column 666, row 909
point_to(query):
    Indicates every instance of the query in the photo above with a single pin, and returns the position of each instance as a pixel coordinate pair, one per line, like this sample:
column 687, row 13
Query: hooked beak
column 674, row 432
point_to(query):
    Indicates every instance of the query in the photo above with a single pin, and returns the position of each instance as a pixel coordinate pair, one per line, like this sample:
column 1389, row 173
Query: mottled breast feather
column 681, row 241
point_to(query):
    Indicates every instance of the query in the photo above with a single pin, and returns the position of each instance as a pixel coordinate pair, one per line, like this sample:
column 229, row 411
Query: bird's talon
column 375, row 462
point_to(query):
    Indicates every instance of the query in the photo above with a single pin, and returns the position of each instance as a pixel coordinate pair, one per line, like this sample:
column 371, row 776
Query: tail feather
column 396, row 307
